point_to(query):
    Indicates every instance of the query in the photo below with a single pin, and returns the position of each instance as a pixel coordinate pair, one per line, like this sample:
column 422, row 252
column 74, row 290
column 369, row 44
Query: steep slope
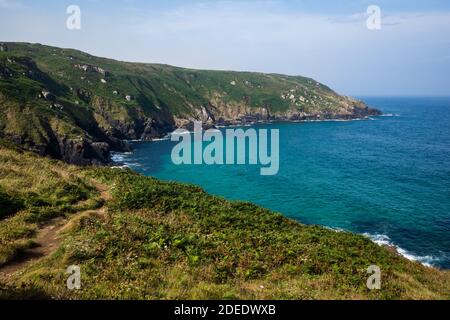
column 77, row 107
column 135, row 237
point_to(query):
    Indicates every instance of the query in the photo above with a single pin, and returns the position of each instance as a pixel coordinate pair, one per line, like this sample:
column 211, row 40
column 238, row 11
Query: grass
column 87, row 108
column 163, row 240
column 34, row 190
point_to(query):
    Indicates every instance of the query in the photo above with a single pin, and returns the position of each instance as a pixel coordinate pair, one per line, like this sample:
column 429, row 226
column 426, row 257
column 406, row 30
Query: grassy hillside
column 77, row 107
column 137, row 237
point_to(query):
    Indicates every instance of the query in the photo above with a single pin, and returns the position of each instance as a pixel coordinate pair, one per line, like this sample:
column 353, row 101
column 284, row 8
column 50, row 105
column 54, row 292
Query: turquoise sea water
column 387, row 177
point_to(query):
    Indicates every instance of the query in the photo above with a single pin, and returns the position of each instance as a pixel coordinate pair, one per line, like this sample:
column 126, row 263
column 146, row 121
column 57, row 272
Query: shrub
column 9, row 205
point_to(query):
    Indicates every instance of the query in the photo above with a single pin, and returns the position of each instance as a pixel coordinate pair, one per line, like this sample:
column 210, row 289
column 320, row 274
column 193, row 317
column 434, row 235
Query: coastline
column 214, row 228
column 376, row 237
column 129, row 150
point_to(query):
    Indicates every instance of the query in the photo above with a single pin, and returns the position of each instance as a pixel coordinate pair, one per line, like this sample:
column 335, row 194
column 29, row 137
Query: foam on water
column 122, row 160
column 388, row 178
column 389, row 115
column 384, row 240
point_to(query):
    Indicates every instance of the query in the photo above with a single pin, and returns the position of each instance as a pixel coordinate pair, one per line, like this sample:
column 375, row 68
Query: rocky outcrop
column 84, row 152
column 70, row 107
column 218, row 113
column 111, row 133
column 91, row 68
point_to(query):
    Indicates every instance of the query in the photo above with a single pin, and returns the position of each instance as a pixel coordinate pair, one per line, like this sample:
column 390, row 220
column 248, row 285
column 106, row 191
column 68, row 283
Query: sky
column 326, row 40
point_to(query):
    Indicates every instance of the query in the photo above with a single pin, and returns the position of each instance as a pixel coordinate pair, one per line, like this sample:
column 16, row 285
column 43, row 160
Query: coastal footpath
column 134, row 237
column 78, row 108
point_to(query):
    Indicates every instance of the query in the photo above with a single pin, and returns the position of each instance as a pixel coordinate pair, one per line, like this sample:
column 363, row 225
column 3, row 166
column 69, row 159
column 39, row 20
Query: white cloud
column 261, row 36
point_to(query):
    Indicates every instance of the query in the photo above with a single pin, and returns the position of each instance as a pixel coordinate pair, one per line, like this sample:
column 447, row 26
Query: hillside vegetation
column 135, row 237
column 77, row 107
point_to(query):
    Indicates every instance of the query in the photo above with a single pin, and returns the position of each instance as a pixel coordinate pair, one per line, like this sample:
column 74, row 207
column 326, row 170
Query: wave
column 331, row 120
column 124, row 166
column 162, row 139
column 384, row 240
column 120, row 156
column 389, row 115
column 120, row 160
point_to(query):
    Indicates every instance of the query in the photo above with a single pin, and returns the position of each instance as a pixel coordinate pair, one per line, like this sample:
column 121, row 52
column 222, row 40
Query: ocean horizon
column 386, row 177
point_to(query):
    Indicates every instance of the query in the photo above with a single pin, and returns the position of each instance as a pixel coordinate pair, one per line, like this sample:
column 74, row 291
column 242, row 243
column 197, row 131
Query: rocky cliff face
column 220, row 113
column 76, row 107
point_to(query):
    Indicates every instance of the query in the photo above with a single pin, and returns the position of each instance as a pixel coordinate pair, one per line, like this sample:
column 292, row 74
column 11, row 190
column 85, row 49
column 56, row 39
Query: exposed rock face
column 84, row 153
column 5, row 72
column 91, row 68
column 219, row 113
column 135, row 125
column 70, row 107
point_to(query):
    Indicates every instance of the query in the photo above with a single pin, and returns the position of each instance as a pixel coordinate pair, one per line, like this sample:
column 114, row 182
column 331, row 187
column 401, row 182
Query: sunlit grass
column 162, row 240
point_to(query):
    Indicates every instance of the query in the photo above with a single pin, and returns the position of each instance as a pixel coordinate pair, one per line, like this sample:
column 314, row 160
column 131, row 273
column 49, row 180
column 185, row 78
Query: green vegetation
column 137, row 237
column 148, row 239
column 8, row 205
column 50, row 96
column 33, row 191
column 153, row 85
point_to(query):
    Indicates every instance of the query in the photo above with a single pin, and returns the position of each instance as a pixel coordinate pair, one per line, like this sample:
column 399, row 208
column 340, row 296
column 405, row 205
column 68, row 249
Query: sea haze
column 387, row 177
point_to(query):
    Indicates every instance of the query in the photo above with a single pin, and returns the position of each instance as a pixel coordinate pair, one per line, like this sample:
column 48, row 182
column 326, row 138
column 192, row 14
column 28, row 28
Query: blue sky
column 326, row 40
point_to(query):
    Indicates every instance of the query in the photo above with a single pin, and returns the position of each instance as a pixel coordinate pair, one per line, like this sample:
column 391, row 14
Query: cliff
column 77, row 107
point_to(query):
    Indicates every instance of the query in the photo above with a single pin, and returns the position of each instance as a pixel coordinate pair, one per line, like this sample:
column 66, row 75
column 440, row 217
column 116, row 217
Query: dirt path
column 48, row 237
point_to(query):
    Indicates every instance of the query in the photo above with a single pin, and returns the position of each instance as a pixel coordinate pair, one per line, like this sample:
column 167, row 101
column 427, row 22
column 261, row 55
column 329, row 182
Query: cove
column 387, row 178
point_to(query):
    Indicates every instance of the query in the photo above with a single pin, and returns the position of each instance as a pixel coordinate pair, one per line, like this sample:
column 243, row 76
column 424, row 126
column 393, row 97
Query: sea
column 385, row 177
